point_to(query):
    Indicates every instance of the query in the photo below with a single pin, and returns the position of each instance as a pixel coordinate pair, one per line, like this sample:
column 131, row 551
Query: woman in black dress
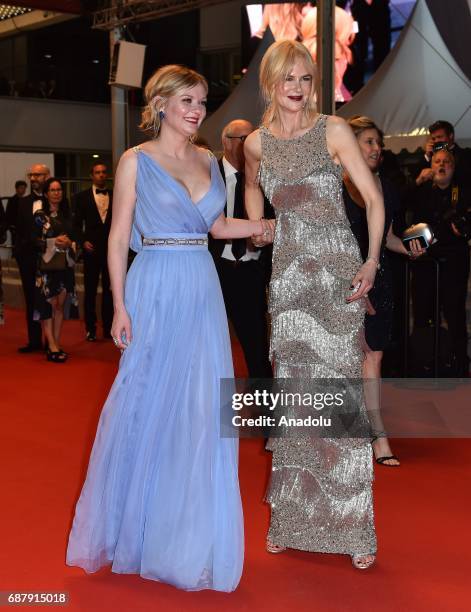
column 378, row 322
column 55, row 279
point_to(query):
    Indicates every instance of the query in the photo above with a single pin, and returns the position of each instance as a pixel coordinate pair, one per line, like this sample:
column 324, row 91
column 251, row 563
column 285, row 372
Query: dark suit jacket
column 216, row 247
column 3, row 224
column 12, row 210
column 26, row 234
column 87, row 221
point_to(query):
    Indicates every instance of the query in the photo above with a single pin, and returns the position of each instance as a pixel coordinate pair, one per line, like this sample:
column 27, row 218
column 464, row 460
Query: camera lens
column 440, row 146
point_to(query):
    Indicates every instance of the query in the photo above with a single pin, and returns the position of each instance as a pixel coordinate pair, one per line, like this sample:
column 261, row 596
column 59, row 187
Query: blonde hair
column 164, row 83
column 360, row 123
column 276, row 65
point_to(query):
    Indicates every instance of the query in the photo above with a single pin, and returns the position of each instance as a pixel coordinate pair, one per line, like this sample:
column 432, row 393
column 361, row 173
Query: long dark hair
column 64, row 208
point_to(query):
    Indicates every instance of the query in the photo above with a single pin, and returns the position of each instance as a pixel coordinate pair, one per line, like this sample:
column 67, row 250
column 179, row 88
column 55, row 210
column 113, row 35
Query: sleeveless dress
column 378, row 327
column 161, row 497
column 320, row 489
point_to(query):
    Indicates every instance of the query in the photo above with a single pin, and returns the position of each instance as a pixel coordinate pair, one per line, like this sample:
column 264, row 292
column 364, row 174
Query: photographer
column 444, row 202
column 442, row 136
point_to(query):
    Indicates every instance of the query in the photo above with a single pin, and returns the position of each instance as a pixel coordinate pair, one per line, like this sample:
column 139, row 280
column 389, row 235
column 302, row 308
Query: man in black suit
column 92, row 209
column 243, row 269
column 12, row 207
column 25, row 251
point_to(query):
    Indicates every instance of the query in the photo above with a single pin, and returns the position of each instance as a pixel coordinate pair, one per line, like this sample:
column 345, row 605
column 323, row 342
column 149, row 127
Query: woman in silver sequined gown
column 320, row 490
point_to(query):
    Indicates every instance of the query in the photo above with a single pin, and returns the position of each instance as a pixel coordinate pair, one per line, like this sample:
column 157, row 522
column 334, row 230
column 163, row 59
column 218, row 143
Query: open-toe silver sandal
column 359, row 560
column 274, row 548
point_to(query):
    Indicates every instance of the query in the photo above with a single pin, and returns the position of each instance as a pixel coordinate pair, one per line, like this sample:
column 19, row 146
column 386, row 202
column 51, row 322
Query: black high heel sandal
column 382, row 460
column 56, row 356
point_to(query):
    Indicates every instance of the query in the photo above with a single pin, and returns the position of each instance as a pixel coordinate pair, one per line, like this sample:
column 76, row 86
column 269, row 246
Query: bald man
column 26, row 254
column 243, row 269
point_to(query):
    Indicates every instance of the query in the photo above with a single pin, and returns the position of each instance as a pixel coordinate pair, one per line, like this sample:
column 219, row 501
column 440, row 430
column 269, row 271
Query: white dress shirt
column 252, row 253
column 102, row 202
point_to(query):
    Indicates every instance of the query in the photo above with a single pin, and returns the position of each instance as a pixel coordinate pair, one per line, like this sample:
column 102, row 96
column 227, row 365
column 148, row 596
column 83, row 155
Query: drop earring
column 161, row 115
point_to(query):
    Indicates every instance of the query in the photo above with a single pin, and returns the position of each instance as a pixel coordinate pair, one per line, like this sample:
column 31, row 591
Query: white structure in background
column 418, row 83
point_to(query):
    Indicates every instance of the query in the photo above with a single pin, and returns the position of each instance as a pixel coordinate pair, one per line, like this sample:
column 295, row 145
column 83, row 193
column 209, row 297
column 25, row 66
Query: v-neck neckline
column 177, row 182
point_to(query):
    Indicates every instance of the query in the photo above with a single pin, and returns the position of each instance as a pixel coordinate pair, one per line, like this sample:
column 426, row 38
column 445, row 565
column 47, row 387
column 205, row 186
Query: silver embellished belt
column 174, row 241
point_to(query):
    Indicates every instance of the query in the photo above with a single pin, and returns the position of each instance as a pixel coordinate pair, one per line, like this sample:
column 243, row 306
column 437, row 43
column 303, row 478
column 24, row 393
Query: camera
column 40, row 218
column 421, row 232
column 462, row 224
column 440, row 146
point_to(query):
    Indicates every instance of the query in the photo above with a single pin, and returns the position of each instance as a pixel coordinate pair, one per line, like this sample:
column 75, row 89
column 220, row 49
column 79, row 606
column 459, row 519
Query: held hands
column 88, row 246
column 63, row 242
column 363, row 281
column 267, row 235
column 121, row 329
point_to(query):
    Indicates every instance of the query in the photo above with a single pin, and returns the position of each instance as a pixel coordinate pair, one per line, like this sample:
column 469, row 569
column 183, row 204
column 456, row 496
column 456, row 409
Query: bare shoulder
column 337, row 126
column 253, row 145
column 339, row 136
column 129, row 157
column 203, row 154
column 127, row 165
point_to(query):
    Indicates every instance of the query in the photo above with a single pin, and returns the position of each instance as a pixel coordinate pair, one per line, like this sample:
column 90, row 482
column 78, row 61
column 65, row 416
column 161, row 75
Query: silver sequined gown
column 320, row 490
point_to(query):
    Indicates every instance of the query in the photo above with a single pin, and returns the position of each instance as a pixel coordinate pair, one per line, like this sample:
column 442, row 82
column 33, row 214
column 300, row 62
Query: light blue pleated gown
column 161, row 497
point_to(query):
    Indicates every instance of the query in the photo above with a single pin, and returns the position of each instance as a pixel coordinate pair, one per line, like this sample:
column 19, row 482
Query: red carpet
column 48, row 418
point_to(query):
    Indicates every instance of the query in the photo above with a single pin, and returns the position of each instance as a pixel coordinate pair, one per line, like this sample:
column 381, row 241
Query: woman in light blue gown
column 161, row 498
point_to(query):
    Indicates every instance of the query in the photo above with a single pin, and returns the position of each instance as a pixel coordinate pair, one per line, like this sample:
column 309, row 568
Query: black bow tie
column 103, row 191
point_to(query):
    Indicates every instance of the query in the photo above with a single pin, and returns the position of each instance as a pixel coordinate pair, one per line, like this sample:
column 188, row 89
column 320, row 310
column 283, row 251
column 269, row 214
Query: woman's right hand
column 425, row 175
column 363, row 281
column 121, row 329
column 267, row 235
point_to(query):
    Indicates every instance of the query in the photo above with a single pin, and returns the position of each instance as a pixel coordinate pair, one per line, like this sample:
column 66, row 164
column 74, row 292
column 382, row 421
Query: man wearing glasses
column 26, row 254
column 243, row 269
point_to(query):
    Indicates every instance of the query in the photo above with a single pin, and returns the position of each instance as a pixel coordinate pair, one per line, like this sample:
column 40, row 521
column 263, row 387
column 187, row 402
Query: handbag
column 57, row 262
column 54, row 259
column 421, row 232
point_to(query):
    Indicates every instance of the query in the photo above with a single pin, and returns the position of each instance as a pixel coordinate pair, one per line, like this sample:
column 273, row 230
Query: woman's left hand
column 363, row 281
column 415, row 249
column 63, row 242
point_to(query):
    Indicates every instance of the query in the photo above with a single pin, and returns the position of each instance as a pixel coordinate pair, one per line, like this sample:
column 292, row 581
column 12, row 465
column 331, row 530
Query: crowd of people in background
column 48, row 235
column 439, row 195
column 336, row 214
column 44, row 88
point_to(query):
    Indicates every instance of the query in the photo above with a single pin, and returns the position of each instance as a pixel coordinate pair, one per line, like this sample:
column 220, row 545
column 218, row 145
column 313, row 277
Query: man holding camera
column 444, row 202
column 25, row 252
column 442, row 136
